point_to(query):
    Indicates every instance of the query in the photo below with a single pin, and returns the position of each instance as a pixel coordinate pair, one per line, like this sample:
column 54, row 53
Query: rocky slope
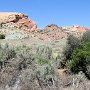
column 18, row 20
column 54, row 32
column 12, row 23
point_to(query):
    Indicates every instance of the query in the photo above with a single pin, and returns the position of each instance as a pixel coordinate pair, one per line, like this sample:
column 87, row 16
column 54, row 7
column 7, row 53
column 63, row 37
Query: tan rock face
column 20, row 20
column 54, row 32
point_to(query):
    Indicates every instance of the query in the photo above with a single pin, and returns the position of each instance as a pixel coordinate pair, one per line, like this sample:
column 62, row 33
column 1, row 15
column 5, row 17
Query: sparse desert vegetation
column 53, row 58
column 23, row 69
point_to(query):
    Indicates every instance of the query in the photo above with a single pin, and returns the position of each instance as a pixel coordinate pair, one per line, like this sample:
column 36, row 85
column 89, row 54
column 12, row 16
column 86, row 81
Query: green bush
column 42, row 60
column 77, row 54
column 80, row 59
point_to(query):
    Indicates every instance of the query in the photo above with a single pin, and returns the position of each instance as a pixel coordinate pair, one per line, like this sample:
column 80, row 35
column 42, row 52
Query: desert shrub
column 41, row 60
column 72, row 43
column 1, row 25
column 27, row 80
column 77, row 55
column 45, row 75
column 2, row 36
column 22, row 71
column 38, row 78
column 86, row 37
column 12, row 62
column 6, row 54
column 25, row 61
column 45, row 52
column 80, row 59
column 25, row 57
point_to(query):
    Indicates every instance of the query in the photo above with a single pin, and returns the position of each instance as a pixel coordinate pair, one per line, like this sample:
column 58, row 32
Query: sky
column 44, row 12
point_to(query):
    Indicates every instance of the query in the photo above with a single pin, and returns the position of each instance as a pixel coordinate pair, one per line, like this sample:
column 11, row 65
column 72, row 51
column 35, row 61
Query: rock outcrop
column 51, row 27
column 53, row 32
column 12, row 22
column 75, row 28
column 19, row 20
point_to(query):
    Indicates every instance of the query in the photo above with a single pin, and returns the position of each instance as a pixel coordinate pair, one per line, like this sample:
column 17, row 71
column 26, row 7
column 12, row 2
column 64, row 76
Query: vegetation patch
column 77, row 54
column 42, row 61
column 2, row 36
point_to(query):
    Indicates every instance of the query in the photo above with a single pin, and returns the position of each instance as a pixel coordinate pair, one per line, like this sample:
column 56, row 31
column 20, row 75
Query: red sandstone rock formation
column 50, row 32
column 53, row 32
column 82, row 29
column 21, row 20
column 76, row 28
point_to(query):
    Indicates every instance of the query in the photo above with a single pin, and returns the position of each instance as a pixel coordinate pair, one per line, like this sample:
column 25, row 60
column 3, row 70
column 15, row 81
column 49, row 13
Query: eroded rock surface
column 19, row 20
